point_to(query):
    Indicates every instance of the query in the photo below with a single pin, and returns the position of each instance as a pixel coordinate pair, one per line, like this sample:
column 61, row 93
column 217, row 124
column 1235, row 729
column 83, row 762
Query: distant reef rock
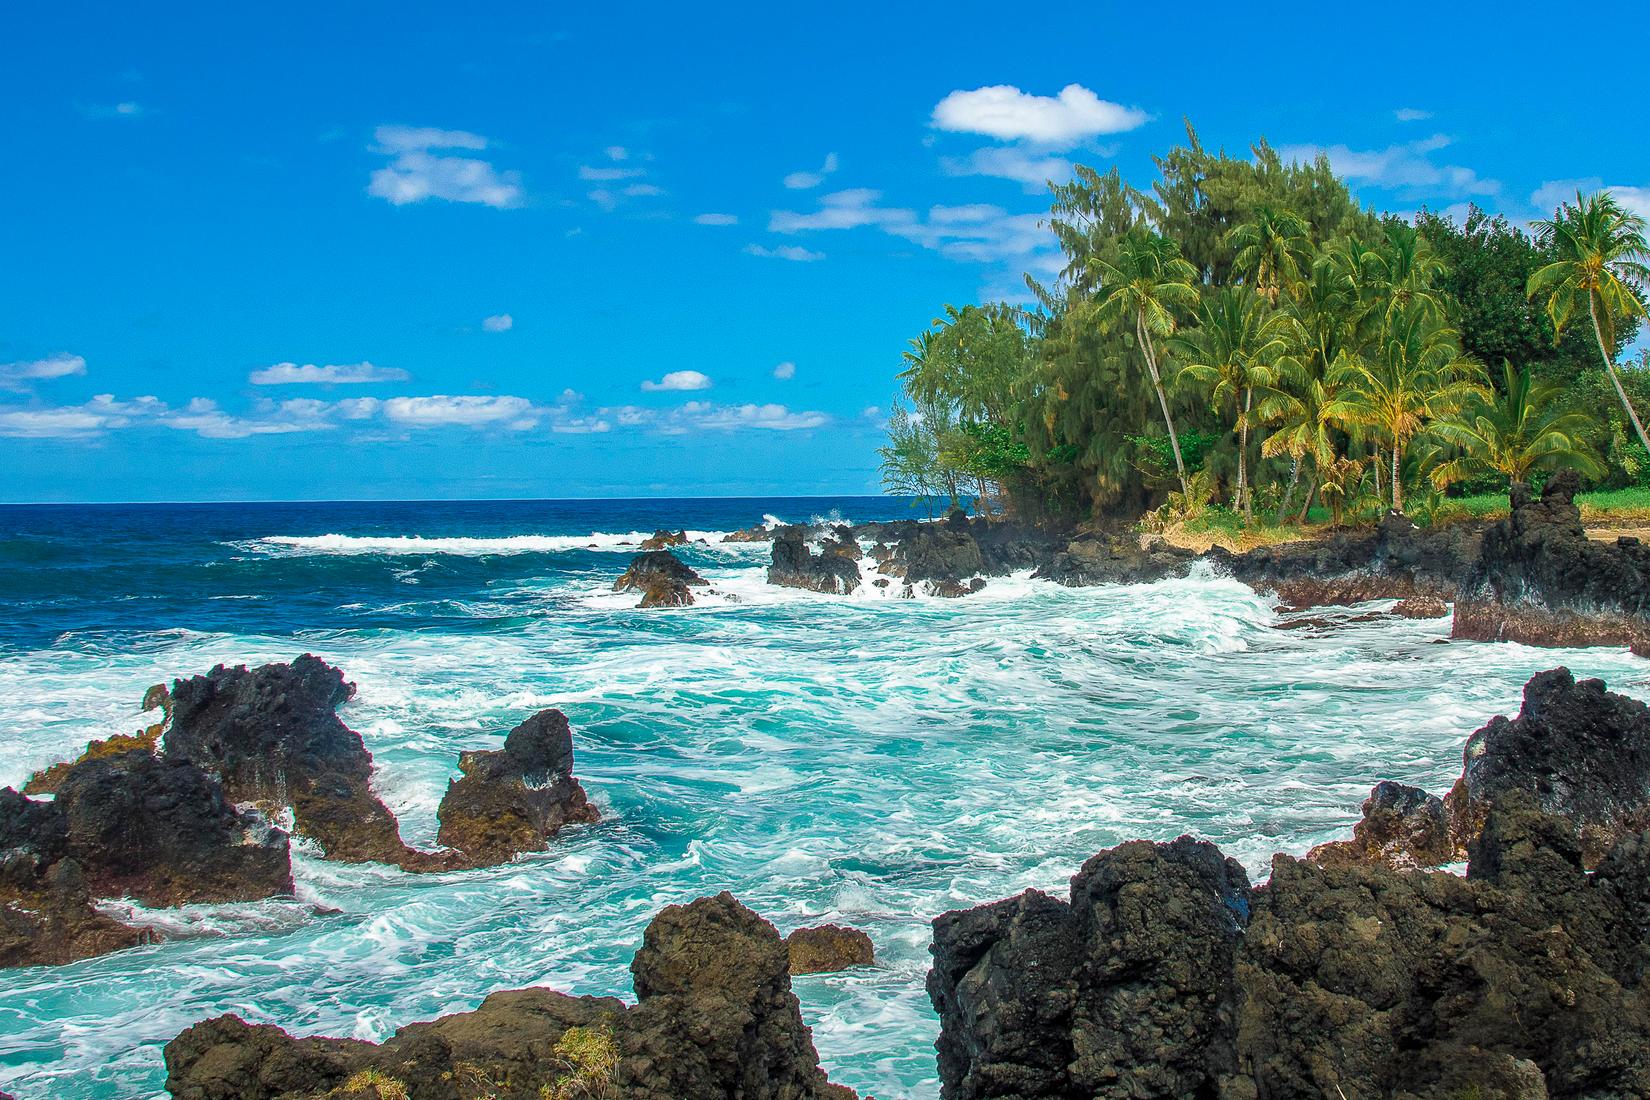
column 1581, row 751
column 133, row 825
column 1165, row 974
column 796, row 565
column 1541, row 581
column 715, row 1017
column 663, row 540
column 662, row 578
column 515, row 799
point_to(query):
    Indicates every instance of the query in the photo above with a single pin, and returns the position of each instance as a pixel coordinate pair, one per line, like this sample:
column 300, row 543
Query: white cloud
column 871, row 412
column 203, row 417
column 608, row 175
column 442, row 410
column 795, row 253
column 640, row 190
column 1008, row 114
column 785, row 371
column 1635, row 199
column 416, row 172
column 96, row 416
column 617, row 152
column 287, row 374
column 15, row 375
column 1550, row 195
column 778, row 418
column 679, row 380
column 129, row 109
column 498, row 322
column 841, row 210
column 802, row 181
column 717, row 219
column 1411, row 114
column 1408, row 167
column 1034, row 170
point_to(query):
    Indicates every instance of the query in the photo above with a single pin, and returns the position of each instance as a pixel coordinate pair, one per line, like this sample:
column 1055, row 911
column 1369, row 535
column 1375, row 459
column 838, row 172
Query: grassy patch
column 1606, row 506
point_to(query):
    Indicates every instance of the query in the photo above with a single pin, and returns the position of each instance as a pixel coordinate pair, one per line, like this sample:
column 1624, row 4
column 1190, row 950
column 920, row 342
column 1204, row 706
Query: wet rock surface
column 1402, row 826
column 663, row 540
column 827, row 948
column 1165, row 977
column 1541, row 581
column 797, row 565
column 715, row 1017
column 271, row 736
column 157, row 831
column 515, row 799
column 663, row 579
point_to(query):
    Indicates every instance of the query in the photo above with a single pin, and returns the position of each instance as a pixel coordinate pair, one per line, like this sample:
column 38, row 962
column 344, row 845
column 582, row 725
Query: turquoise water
column 865, row 760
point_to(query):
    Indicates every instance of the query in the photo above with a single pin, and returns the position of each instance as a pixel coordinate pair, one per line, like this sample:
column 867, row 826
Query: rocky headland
column 663, row 579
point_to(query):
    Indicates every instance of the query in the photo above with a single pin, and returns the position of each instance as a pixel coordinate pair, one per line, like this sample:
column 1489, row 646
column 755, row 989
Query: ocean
column 866, row 760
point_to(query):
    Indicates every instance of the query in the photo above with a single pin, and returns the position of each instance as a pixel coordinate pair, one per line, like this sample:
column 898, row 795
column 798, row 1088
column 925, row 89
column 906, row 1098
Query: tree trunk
column 1380, row 493
column 1243, row 458
column 1610, row 369
column 1289, row 494
column 1397, row 481
column 1163, row 401
column 1306, row 506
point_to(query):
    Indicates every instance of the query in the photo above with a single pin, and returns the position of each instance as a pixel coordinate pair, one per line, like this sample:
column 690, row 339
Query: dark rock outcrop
column 759, row 533
column 1125, row 991
column 795, row 565
column 515, row 799
column 662, row 540
column 715, row 1017
column 1402, row 826
column 46, row 780
column 1114, row 559
column 133, row 825
column 1582, row 751
column 1526, row 979
column 1421, row 607
column 661, row 577
column 271, row 736
column 1541, row 581
column 827, row 948
column 1395, row 561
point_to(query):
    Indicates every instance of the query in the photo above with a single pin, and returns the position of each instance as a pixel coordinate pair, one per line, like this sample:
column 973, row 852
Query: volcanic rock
column 1541, row 581
column 797, row 566
column 1421, row 607
column 46, row 780
column 661, row 577
column 1402, row 826
column 663, row 539
column 715, row 1017
column 271, row 737
column 827, row 948
column 517, row 798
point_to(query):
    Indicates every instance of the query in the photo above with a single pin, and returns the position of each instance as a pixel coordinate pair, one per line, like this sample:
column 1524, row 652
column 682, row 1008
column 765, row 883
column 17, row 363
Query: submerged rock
column 1541, row 581
column 827, row 948
column 661, row 577
column 515, row 799
column 715, row 1017
column 1114, row 559
column 1166, row 977
column 797, row 566
column 759, row 533
column 272, row 736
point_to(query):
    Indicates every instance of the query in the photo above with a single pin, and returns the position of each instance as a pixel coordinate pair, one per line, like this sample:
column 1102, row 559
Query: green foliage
column 1524, row 427
column 587, row 1058
column 376, row 1084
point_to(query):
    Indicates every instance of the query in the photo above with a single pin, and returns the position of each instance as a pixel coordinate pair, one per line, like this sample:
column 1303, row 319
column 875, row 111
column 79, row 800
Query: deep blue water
column 863, row 759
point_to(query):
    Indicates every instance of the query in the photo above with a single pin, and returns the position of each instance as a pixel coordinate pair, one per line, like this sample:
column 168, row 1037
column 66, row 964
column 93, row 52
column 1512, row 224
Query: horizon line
column 434, row 500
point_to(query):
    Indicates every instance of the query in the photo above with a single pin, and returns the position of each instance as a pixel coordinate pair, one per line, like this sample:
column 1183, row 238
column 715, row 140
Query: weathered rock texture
column 795, row 565
column 827, row 948
column 133, row 825
column 1583, row 751
column 663, row 539
column 1125, row 991
column 271, row 736
column 515, row 799
column 714, row 1018
column 1166, row 978
column 663, row 579
column 1402, row 826
column 46, row 780
column 1541, row 581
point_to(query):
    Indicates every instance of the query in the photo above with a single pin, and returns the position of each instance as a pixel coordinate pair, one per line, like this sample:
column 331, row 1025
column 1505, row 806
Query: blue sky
column 416, row 250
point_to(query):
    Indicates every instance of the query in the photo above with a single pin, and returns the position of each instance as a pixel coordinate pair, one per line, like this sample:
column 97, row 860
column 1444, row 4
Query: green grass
column 1610, row 504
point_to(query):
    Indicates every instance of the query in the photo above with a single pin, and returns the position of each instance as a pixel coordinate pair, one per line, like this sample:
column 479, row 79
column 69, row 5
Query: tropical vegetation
column 1242, row 336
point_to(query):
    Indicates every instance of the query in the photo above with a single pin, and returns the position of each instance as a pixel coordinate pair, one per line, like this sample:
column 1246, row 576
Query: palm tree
column 1302, row 411
column 1144, row 285
column 1271, row 247
column 1524, row 428
column 1236, row 347
column 1603, row 260
column 1408, row 268
column 1414, row 375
